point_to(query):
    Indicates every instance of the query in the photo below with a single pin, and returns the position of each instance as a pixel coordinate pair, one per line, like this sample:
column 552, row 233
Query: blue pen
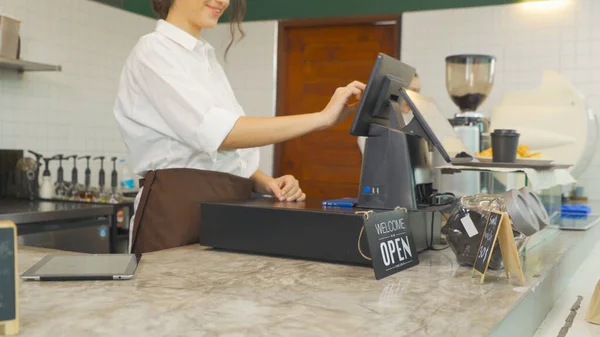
column 346, row 202
column 338, row 204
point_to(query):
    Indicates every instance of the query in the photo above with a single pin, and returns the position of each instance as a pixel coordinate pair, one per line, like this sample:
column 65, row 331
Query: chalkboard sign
column 498, row 228
column 488, row 242
column 391, row 242
column 8, row 279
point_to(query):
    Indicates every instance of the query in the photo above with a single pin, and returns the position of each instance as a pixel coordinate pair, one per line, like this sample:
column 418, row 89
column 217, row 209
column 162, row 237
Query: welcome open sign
column 391, row 242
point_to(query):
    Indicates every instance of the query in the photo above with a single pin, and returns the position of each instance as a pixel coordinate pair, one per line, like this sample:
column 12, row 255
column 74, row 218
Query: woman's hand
column 285, row 188
column 338, row 108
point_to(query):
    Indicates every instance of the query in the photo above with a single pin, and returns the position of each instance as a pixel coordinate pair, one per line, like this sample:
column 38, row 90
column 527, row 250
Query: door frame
column 282, row 33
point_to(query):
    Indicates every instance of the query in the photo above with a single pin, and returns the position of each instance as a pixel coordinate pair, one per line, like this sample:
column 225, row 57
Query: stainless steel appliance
column 80, row 235
column 469, row 80
column 19, row 194
column 9, row 182
column 19, row 174
column 60, row 225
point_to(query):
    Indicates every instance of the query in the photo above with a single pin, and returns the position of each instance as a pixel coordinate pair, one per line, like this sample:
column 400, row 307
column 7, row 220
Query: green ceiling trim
column 141, row 7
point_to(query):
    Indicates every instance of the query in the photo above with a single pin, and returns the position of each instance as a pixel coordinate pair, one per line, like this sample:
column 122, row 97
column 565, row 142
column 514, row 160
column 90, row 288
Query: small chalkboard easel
column 9, row 283
column 499, row 228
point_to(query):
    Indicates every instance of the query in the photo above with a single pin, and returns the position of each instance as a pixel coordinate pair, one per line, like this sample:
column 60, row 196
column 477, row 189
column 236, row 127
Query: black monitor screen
column 370, row 109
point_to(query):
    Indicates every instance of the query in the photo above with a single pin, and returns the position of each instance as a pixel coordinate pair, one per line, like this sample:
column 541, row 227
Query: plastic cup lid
column 520, row 214
column 505, row 132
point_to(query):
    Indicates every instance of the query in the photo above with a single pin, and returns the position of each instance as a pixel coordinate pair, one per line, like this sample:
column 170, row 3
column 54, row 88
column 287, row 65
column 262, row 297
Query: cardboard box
column 9, row 37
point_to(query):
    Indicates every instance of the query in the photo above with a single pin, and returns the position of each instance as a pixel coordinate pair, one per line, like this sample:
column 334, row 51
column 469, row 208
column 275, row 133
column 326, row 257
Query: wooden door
column 315, row 59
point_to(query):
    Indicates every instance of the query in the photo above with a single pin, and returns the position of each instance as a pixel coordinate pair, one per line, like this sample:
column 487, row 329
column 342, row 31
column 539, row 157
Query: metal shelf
column 22, row 66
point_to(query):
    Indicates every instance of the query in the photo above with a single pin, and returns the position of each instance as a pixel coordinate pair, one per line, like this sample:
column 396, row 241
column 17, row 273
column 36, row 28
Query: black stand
column 396, row 170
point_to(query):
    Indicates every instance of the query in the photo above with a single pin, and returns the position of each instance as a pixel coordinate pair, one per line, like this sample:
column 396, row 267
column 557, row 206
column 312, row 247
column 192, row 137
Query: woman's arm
column 259, row 131
column 188, row 110
column 255, row 131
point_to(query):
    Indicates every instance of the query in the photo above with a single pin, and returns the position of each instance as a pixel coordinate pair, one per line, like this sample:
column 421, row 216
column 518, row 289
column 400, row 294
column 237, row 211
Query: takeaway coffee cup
column 505, row 144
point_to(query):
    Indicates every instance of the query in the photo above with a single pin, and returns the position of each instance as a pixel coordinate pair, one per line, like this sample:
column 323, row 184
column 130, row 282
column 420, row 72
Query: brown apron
column 168, row 214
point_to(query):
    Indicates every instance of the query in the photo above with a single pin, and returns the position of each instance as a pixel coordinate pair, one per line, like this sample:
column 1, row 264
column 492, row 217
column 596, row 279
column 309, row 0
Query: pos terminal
column 396, row 172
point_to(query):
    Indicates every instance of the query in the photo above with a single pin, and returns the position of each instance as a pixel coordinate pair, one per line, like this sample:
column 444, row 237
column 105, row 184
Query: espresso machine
column 469, row 80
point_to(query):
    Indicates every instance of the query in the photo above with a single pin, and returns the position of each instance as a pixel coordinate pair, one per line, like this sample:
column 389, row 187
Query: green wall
column 297, row 9
column 139, row 6
column 114, row 3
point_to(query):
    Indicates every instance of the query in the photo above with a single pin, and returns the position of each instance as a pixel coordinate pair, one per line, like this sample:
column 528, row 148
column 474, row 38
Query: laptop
column 82, row 267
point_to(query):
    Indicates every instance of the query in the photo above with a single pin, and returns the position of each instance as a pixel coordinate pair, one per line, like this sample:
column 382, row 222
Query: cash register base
column 298, row 230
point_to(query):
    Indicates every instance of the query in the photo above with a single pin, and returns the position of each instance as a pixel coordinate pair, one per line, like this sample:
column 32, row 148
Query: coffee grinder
column 469, row 80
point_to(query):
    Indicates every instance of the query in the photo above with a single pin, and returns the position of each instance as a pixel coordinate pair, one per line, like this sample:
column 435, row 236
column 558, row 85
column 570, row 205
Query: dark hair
column 237, row 10
column 161, row 8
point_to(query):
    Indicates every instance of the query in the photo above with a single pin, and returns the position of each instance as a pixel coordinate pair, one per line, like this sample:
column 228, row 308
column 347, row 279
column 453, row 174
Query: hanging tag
column 469, row 226
column 391, row 242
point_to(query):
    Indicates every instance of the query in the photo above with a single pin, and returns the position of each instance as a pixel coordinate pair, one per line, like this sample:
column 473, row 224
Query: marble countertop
column 199, row 291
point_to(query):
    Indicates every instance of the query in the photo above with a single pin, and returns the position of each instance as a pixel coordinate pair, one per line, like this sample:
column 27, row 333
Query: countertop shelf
column 22, row 66
column 23, row 212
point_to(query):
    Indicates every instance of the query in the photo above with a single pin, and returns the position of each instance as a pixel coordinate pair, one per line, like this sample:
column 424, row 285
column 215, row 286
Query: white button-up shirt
column 175, row 106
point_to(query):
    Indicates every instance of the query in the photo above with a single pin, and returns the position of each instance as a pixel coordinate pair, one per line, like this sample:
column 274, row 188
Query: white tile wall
column 251, row 69
column 525, row 38
column 70, row 111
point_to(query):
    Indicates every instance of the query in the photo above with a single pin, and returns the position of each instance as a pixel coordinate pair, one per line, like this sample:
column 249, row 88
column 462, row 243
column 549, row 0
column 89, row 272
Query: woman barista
column 188, row 136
